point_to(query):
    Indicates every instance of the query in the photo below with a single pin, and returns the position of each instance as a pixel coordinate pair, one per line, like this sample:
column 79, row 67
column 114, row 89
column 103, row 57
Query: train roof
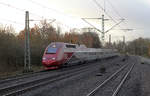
column 70, row 45
column 81, row 47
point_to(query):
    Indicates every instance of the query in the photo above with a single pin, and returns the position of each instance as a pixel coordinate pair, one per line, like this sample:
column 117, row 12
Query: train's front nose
column 49, row 60
column 50, row 63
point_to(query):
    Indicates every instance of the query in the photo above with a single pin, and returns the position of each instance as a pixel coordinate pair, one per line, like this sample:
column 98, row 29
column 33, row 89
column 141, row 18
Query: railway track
column 40, row 73
column 34, row 74
column 112, row 85
column 21, row 76
column 20, row 88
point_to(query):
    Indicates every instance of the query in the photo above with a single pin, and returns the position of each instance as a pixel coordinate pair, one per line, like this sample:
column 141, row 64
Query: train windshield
column 51, row 50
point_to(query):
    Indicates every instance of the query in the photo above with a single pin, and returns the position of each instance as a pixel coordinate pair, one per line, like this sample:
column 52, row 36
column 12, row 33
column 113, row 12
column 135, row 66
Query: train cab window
column 51, row 50
column 70, row 46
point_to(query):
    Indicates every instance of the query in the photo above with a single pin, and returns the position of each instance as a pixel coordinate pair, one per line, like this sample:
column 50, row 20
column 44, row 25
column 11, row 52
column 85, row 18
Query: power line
column 115, row 10
column 19, row 9
column 43, row 6
column 105, row 12
column 91, row 24
column 8, row 5
column 16, row 22
column 113, row 7
column 64, row 25
column 103, row 21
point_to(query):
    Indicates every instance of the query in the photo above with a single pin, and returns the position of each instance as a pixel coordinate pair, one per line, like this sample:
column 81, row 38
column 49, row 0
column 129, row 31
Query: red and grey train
column 59, row 54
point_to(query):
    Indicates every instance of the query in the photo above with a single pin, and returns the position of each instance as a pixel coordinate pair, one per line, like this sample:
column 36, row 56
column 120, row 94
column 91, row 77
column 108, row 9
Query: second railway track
column 112, row 85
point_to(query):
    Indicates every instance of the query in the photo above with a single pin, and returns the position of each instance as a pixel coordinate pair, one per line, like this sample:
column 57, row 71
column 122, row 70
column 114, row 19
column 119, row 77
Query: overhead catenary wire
column 44, row 6
column 19, row 9
column 106, row 12
column 22, row 10
column 119, row 15
column 16, row 22
column 54, row 10
column 91, row 25
column 115, row 10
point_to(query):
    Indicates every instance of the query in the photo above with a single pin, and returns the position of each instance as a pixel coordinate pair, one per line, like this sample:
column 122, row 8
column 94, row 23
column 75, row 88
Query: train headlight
column 44, row 58
column 53, row 58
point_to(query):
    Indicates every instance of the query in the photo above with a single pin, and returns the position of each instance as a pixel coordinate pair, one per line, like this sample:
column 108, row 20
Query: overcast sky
column 68, row 13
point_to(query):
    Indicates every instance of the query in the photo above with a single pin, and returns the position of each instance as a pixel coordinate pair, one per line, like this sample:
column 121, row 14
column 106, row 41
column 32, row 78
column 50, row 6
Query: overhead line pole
column 103, row 32
column 109, row 40
column 103, row 22
column 27, row 59
column 105, row 11
column 103, row 29
column 124, row 44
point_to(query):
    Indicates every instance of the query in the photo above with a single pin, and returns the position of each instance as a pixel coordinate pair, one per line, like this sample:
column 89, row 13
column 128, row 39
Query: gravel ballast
column 81, row 84
column 92, row 75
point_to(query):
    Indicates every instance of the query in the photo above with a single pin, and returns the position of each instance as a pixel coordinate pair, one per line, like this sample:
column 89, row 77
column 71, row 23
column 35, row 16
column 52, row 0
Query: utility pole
column 110, row 41
column 27, row 61
column 27, row 58
column 103, row 25
column 103, row 29
column 123, row 39
column 124, row 44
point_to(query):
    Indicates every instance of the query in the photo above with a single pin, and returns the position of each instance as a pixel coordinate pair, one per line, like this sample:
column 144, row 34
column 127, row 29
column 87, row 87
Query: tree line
column 41, row 35
column 139, row 46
